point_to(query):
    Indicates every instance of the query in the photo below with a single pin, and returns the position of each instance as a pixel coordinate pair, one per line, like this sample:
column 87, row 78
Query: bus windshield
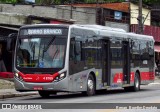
column 41, row 52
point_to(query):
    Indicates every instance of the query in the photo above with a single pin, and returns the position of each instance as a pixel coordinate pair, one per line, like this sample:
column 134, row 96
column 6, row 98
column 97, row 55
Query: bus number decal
column 47, row 78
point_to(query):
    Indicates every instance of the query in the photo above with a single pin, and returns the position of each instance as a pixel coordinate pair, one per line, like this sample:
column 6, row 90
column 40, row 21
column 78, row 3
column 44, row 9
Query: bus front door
column 106, row 65
column 126, row 62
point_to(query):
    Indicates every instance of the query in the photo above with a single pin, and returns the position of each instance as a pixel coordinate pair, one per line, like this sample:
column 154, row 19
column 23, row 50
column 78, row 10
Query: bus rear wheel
column 90, row 86
column 136, row 86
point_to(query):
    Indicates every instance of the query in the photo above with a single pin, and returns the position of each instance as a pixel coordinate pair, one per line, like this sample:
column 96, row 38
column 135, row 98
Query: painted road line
column 109, row 110
column 156, row 83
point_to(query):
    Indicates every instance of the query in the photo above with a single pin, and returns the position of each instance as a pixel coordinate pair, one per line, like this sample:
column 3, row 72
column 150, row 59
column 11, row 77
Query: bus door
column 126, row 62
column 106, row 67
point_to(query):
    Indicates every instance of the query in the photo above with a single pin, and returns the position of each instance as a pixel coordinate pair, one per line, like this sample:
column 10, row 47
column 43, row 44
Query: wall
column 148, row 30
column 123, row 26
column 134, row 14
column 29, row 10
column 12, row 19
column 81, row 15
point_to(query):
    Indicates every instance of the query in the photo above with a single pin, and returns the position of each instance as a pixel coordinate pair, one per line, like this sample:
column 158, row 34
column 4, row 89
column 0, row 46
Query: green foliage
column 151, row 1
column 8, row 1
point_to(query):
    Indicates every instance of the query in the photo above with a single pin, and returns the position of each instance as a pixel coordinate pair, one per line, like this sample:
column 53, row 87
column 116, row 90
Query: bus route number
column 47, row 78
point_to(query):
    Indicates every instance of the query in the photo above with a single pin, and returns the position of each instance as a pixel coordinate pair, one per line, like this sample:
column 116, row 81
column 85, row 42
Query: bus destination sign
column 42, row 31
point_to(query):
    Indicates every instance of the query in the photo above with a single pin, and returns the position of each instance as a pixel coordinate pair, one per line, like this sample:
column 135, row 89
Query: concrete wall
column 134, row 14
column 29, row 10
column 117, row 25
column 79, row 14
column 12, row 19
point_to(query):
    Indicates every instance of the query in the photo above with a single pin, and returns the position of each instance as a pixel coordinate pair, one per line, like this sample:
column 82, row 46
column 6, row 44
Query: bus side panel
column 147, row 76
column 79, row 80
column 116, row 78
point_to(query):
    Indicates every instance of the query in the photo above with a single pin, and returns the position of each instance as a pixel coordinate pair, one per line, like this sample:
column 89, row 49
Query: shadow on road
column 80, row 95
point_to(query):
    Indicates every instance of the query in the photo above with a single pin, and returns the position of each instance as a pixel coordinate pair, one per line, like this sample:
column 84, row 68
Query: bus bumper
column 29, row 86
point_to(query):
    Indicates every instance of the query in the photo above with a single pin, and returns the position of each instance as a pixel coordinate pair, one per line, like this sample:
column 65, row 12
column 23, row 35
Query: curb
column 11, row 95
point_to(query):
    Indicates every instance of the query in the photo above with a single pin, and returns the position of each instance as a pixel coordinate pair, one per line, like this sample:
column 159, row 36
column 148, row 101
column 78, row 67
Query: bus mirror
column 10, row 41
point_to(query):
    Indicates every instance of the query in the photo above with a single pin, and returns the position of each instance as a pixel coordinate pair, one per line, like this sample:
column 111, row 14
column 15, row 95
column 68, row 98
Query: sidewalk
column 9, row 93
column 7, row 90
column 157, row 80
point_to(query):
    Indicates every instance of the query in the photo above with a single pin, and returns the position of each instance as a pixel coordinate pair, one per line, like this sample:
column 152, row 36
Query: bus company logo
column 6, row 106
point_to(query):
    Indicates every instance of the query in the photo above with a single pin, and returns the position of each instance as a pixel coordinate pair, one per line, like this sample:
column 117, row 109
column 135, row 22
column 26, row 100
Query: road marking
column 109, row 110
column 154, row 83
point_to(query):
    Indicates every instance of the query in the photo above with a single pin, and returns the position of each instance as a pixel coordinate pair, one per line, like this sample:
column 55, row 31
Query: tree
column 8, row 1
column 151, row 1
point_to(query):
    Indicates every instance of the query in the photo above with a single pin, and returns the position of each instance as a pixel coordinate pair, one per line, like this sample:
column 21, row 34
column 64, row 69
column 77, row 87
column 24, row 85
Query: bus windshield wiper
column 57, row 50
column 49, row 43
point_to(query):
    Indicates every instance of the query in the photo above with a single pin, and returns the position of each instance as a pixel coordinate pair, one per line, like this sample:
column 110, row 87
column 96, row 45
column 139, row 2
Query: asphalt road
column 147, row 94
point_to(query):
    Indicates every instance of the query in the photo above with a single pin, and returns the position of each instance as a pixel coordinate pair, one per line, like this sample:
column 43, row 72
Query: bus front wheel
column 90, row 86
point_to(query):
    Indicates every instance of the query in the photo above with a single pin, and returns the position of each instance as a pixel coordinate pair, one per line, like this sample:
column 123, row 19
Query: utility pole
column 97, row 3
column 71, row 12
column 97, row 9
column 140, row 24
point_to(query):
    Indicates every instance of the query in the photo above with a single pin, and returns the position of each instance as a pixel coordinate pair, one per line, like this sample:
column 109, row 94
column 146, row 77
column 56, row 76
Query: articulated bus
column 81, row 58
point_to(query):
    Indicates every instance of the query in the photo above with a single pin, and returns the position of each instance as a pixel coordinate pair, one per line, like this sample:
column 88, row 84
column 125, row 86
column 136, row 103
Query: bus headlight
column 60, row 77
column 18, row 76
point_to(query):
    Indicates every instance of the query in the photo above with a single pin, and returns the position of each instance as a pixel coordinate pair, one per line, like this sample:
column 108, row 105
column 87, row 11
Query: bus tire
column 90, row 85
column 136, row 86
column 45, row 94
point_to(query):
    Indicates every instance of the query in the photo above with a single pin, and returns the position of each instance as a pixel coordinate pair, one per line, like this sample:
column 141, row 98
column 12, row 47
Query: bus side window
column 75, row 50
column 71, row 54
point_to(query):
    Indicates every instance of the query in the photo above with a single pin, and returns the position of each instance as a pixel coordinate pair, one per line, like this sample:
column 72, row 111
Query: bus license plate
column 38, row 88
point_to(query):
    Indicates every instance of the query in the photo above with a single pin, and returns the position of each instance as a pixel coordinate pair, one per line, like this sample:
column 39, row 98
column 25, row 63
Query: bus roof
column 45, row 25
column 102, row 30
column 116, row 32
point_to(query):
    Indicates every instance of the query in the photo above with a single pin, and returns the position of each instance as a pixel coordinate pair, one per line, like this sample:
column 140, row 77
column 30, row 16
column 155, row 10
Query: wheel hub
column 90, row 84
column 137, row 83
